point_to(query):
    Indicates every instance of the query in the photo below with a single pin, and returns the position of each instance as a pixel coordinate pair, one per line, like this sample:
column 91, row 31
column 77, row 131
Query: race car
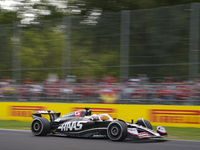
column 83, row 123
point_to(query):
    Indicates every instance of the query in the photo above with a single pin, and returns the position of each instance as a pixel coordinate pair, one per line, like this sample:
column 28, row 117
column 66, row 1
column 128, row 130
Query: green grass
column 182, row 133
column 173, row 132
column 5, row 124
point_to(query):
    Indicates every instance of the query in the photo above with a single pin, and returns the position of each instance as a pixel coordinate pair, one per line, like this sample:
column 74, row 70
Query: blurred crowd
column 107, row 90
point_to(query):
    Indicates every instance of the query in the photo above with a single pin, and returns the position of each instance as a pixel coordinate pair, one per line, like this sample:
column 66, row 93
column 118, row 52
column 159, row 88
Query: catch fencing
column 160, row 42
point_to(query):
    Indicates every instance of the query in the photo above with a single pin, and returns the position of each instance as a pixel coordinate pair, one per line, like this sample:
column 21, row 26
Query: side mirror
column 132, row 121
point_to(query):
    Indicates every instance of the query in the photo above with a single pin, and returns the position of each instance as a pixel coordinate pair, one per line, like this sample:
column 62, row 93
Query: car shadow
column 144, row 140
column 127, row 140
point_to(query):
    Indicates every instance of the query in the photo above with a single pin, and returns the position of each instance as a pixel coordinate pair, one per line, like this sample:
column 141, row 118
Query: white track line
column 166, row 139
column 182, row 140
column 14, row 130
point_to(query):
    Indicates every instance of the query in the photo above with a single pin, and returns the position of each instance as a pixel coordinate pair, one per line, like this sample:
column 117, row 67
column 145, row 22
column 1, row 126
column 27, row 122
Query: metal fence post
column 194, row 41
column 124, row 44
column 16, row 60
column 66, row 54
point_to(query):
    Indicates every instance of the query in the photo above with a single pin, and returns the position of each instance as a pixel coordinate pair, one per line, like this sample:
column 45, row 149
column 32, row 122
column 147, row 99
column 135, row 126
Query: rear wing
column 52, row 114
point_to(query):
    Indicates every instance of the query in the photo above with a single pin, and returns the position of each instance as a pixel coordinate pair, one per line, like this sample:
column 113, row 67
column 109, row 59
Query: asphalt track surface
column 24, row 140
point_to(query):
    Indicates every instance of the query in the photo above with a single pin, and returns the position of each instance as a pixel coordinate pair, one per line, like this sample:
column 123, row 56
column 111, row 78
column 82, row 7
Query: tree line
column 159, row 40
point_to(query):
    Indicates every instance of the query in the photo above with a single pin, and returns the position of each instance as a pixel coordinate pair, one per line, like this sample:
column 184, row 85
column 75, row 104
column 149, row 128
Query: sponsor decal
column 110, row 111
column 70, row 126
column 175, row 116
column 144, row 134
column 77, row 113
column 99, row 136
column 44, row 111
column 133, row 131
column 23, row 111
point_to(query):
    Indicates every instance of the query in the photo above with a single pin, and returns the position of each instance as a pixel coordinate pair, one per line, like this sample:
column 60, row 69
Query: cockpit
column 75, row 114
column 101, row 117
column 79, row 113
column 87, row 115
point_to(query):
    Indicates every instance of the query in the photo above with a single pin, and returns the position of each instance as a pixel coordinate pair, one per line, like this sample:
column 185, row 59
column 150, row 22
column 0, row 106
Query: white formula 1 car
column 83, row 124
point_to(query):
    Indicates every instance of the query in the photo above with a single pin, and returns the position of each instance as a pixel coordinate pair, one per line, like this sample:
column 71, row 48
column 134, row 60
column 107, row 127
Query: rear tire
column 117, row 131
column 144, row 123
column 40, row 126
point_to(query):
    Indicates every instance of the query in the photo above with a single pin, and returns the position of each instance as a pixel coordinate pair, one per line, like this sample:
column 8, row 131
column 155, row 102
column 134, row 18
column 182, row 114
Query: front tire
column 144, row 123
column 117, row 131
column 40, row 126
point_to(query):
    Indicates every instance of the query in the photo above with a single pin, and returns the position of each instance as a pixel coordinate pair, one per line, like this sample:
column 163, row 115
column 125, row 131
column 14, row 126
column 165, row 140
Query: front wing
column 140, row 132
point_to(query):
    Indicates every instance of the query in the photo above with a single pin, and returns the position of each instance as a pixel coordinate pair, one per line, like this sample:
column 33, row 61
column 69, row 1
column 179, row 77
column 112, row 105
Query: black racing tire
column 40, row 126
column 144, row 123
column 117, row 131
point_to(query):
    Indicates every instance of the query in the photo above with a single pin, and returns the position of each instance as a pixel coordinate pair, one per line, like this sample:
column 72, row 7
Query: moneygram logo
column 23, row 111
column 110, row 111
column 175, row 116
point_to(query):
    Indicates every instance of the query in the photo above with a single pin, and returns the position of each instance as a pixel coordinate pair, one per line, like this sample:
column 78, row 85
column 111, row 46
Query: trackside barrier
column 165, row 115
